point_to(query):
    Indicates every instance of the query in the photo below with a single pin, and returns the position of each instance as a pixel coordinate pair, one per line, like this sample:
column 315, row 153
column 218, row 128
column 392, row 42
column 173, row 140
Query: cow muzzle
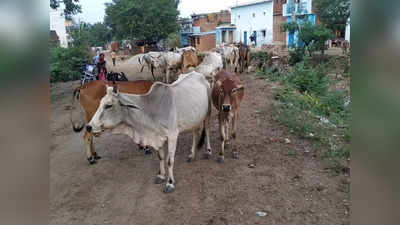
column 226, row 108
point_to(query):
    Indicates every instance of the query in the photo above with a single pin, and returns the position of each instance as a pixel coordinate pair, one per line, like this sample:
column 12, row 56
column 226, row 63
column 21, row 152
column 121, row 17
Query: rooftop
column 250, row 3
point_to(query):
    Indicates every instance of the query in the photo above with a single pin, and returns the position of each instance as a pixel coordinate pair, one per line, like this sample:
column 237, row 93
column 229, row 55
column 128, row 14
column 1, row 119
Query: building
column 253, row 19
column 300, row 11
column 186, row 30
column 58, row 24
column 224, row 34
column 279, row 36
column 204, row 29
column 347, row 35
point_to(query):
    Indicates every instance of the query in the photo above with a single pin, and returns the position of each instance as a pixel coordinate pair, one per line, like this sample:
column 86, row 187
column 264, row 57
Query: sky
column 93, row 10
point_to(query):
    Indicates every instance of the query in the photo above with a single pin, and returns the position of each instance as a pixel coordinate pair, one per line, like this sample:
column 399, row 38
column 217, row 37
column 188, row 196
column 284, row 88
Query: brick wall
column 279, row 37
column 208, row 22
column 204, row 42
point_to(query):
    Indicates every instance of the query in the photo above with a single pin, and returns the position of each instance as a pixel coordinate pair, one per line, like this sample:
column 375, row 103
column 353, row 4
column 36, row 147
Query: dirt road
column 289, row 181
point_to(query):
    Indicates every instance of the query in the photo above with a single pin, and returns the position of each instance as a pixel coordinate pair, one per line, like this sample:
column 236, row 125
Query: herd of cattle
column 153, row 114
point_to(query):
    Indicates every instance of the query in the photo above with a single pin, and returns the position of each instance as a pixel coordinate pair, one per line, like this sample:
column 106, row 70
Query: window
column 264, row 33
column 254, row 15
column 264, row 13
column 239, row 16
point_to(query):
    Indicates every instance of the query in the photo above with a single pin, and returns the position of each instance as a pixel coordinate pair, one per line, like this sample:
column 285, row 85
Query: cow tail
column 202, row 138
column 75, row 99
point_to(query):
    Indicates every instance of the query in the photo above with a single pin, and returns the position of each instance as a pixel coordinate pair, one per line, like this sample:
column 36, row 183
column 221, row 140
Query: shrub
column 296, row 56
column 307, row 79
column 66, row 63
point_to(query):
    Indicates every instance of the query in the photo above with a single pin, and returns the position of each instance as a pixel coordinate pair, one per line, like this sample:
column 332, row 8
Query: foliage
column 71, row 6
column 320, row 35
column 174, row 40
column 142, row 20
column 309, row 80
column 310, row 37
column 66, row 63
column 296, row 55
column 95, row 35
column 333, row 13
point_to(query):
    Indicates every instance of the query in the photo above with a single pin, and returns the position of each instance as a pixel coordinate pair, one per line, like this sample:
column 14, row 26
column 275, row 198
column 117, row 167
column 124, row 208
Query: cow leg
column 89, row 148
column 207, row 155
column 167, row 76
column 194, row 145
column 170, row 186
column 161, row 175
column 223, row 139
column 235, row 153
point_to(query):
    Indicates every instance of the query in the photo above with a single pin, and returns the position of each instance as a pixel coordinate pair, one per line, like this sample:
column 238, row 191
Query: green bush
column 307, row 79
column 296, row 56
column 66, row 63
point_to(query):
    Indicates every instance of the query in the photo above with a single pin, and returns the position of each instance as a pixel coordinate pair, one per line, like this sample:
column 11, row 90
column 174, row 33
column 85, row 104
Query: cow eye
column 108, row 106
column 234, row 91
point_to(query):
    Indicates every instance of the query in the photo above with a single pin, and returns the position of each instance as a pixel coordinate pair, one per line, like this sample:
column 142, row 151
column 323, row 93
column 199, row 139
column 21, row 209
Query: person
column 96, row 57
column 101, row 64
column 113, row 57
column 102, row 74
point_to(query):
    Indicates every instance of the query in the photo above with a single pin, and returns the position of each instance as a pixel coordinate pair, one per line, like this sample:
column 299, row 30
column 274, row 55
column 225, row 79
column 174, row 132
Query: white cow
column 153, row 60
column 181, row 50
column 172, row 61
column 212, row 63
column 158, row 117
column 230, row 55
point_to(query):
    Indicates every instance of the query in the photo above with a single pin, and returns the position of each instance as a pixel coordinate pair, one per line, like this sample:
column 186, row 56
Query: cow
column 230, row 55
column 189, row 59
column 185, row 49
column 227, row 95
column 212, row 63
column 345, row 46
column 158, row 117
column 171, row 61
column 86, row 100
column 153, row 60
column 244, row 56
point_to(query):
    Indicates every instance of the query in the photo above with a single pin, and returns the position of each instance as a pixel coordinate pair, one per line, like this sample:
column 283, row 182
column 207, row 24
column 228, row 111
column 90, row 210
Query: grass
column 312, row 111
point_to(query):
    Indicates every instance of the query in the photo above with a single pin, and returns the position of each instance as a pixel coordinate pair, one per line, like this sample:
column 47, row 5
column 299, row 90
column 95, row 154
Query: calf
column 89, row 96
column 227, row 94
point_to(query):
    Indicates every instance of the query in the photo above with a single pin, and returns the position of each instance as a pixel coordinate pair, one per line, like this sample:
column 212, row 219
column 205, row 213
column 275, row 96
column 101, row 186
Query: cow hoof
column 190, row 158
column 96, row 157
column 147, row 151
column 159, row 179
column 221, row 159
column 169, row 188
column 235, row 155
column 92, row 160
column 207, row 155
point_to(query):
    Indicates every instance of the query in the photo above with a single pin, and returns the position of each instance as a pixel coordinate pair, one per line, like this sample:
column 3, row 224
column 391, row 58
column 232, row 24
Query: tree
column 71, row 6
column 142, row 19
column 95, row 35
column 310, row 37
column 333, row 13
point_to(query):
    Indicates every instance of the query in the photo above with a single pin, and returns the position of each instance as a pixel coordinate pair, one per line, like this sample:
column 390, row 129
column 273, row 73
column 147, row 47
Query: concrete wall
column 208, row 22
column 57, row 23
column 347, row 36
column 244, row 20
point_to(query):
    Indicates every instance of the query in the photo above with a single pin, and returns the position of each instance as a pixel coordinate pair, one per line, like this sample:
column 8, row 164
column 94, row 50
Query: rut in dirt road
column 288, row 182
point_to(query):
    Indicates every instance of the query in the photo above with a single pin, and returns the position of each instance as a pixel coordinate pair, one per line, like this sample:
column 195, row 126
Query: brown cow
column 89, row 96
column 227, row 95
column 190, row 59
column 244, row 56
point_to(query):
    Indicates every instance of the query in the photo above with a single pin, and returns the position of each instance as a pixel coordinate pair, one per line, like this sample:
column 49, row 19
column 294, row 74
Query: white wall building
column 347, row 35
column 57, row 23
column 253, row 18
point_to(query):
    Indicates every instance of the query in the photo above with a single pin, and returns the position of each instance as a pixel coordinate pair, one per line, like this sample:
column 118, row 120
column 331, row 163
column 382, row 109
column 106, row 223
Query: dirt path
column 288, row 182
